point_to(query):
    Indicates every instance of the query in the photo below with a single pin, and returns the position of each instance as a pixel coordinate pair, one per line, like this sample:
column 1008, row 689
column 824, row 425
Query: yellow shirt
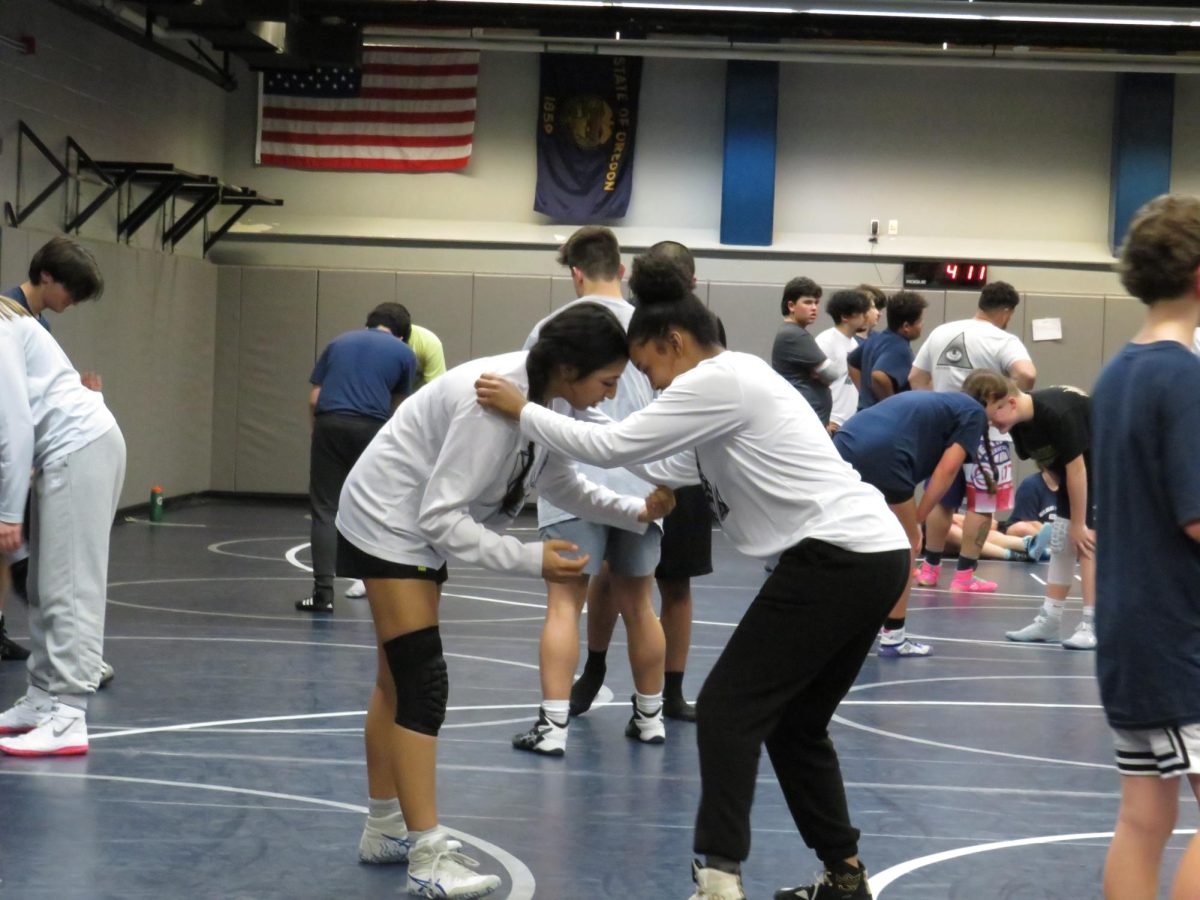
column 431, row 361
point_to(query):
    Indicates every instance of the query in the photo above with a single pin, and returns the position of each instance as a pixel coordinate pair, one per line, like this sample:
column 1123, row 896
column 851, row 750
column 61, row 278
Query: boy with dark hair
column 848, row 309
column 357, row 383
column 1147, row 426
column 878, row 300
column 881, row 365
column 795, row 354
column 952, row 352
column 592, row 253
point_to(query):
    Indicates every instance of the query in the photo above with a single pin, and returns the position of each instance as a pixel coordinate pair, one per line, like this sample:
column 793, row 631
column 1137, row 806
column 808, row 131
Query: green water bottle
column 156, row 504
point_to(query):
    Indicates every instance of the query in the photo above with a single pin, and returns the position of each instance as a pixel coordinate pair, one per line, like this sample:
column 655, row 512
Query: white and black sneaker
column 545, row 737
column 436, row 869
column 646, row 727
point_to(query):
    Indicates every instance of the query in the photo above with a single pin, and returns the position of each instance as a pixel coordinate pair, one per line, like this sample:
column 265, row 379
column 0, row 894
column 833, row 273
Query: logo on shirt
column 955, row 354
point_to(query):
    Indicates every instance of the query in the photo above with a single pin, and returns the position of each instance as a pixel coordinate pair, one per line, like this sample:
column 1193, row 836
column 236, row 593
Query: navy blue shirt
column 889, row 353
column 1035, row 501
column 898, row 442
column 1146, row 430
column 15, row 293
column 360, row 370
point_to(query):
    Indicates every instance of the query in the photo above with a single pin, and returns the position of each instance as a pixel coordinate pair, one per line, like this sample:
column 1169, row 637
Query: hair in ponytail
column 583, row 337
column 664, row 298
column 11, row 308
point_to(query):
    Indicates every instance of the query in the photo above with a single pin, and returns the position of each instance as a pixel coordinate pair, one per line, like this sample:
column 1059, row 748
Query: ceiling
column 302, row 33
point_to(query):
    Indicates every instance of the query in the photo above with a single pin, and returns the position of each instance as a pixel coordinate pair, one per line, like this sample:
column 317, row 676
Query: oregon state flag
column 586, row 128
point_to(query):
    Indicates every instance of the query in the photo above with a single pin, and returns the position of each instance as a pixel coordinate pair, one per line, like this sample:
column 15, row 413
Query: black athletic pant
column 337, row 442
column 779, row 680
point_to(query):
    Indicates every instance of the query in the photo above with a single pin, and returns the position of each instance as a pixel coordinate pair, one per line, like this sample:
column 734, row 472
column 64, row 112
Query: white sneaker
column 61, row 732
column 649, row 729
column 377, row 846
column 713, row 884
column 1040, row 630
column 545, row 737
column 107, row 674
column 26, row 713
column 435, row 869
column 356, row 591
column 1084, row 638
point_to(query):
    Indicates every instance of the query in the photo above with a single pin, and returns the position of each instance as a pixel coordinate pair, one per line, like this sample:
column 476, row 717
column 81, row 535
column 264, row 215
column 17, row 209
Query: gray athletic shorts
column 626, row 552
column 1165, row 752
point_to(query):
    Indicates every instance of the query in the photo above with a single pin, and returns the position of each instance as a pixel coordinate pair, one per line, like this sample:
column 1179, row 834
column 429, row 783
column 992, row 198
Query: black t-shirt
column 1060, row 430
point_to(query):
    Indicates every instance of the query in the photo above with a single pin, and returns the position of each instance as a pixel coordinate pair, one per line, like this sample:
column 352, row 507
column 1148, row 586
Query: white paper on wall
column 1047, row 329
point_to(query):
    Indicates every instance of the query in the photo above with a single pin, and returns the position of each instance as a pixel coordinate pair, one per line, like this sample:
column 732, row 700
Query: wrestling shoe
column 966, row 581
column 380, row 847
column 679, row 709
column 435, row 869
column 26, row 713
column 1084, row 638
column 584, row 691
column 648, row 729
column 1039, row 631
column 313, row 605
column 713, row 884
column 844, row 885
column 927, row 575
column 545, row 737
column 907, row 647
column 357, row 590
column 61, row 732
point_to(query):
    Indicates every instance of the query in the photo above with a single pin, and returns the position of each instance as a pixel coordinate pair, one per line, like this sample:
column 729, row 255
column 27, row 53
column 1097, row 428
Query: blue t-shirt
column 360, row 370
column 889, row 353
column 1146, row 421
column 15, row 293
column 897, row 443
column 1035, row 501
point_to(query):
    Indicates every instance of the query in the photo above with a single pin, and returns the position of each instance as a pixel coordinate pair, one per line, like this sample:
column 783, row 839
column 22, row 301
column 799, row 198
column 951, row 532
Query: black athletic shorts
column 355, row 563
column 687, row 536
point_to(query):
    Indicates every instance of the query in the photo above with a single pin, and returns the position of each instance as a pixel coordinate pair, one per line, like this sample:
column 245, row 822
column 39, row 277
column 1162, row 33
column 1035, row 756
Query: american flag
column 404, row 110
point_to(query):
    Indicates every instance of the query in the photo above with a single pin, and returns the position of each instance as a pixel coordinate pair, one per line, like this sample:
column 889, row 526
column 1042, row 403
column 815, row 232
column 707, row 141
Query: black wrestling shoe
column 313, row 605
column 9, row 650
column 679, row 709
column 847, row 883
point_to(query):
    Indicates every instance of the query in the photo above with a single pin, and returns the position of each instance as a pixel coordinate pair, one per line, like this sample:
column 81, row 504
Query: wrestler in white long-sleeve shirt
column 734, row 425
column 432, row 481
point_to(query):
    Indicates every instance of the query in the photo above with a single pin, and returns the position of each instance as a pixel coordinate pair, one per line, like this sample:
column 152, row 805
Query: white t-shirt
column 734, row 425
column 633, row 392
column 434, row 477
column 837, row 347
column 46, row 413
column 955, row 349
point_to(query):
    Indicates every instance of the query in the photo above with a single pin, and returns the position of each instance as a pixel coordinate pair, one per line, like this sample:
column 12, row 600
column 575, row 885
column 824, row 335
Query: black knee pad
column 422, row 685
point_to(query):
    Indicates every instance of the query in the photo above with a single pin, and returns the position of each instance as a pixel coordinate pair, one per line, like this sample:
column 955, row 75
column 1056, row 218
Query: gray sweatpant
column 74, row 501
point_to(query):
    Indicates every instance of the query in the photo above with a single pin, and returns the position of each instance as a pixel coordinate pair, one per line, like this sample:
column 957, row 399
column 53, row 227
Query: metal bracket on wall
column 17, row 214
column 241, row 198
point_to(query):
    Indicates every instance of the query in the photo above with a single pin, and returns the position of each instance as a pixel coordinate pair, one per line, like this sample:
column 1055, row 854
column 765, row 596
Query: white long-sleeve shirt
column 633, row 392
column 45, row 411
column 432, row 481
column 767, row 464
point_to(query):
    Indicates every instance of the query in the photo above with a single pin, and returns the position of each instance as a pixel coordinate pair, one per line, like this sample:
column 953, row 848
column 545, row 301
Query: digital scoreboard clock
column 952, row 273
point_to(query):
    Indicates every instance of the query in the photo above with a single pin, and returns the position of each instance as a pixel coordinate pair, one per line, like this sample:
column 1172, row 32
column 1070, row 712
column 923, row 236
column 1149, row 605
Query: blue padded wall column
column 1142, row 133
column 748, row 177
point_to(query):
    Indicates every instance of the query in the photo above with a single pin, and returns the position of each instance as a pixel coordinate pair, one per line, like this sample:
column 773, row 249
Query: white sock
column 385, row 812
column 1053, row 609
column 1089, row 615
column 648, row 704
column 557, row 711
column 891, row 637
column 428, row 836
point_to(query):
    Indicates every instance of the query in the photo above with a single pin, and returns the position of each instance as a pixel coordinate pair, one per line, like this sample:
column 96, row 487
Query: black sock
column 673, row 685
column 596, row 664
column 934, row 557
column 965, row 563
column 721, row 864
column 892, row 624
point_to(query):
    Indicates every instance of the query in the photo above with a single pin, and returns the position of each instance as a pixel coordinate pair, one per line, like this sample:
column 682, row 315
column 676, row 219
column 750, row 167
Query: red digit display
column 952, row 271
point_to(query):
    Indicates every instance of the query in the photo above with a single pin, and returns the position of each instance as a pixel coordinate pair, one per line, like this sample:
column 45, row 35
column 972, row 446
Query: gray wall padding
column 506, row 308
